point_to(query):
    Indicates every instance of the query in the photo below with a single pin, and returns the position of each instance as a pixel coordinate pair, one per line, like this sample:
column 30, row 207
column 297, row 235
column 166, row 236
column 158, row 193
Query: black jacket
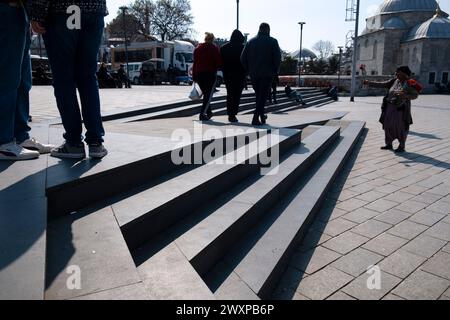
column 262, row 56
column 39, row 10
column 231, row 56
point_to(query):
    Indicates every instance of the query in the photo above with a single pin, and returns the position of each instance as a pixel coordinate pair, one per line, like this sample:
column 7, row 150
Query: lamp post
column 355, row 49
column 124, row 9
column 237, row 14
column 339, row 66
column 300, row 53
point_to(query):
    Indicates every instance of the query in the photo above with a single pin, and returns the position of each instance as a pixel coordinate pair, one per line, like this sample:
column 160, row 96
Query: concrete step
column 190, row 108
column 208, row 241
column 145, row 214
column 260, row 257
column 88, row 246
column 319, row 101
column 73, row 185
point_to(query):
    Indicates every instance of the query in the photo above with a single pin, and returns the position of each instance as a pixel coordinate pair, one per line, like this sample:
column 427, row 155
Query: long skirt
column 395, row 126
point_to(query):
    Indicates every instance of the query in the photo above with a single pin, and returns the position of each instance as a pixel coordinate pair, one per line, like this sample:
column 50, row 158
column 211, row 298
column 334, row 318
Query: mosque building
column 407, row 32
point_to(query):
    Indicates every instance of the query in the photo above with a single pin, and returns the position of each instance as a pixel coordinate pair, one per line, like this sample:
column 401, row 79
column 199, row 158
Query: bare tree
column 115, row 27
column 171, row 19
column 324, row 49
column 143, row 10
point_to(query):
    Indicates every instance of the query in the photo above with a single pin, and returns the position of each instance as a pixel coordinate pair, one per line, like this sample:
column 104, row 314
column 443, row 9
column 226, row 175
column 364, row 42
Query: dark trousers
column 15, row 75
column 207, row 83
column 235, row 86
column 73, row 59
column 262, row 89
column 273, row 92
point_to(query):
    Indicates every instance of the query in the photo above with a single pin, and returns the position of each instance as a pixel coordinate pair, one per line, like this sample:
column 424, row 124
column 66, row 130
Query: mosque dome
column 395, row 23
column 437, row 27
column 394, row 6
column 306, row 53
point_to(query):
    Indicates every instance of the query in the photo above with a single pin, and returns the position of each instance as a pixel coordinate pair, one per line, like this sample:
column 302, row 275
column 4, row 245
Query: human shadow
column 412, row 157
column 425, row 135
column 23, row 221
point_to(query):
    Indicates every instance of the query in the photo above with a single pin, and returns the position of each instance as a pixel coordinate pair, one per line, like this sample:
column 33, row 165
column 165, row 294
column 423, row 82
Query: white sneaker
column 34, row 145
column 13, row 152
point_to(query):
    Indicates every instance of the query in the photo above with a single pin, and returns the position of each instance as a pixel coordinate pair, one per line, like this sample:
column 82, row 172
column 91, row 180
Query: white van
column 135, row 71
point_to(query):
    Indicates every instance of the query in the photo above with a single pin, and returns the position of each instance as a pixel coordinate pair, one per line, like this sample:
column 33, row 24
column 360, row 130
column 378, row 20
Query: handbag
column 196, row 92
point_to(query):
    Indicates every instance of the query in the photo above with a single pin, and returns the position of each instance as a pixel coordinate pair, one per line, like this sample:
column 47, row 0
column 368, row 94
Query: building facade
column 407, row 32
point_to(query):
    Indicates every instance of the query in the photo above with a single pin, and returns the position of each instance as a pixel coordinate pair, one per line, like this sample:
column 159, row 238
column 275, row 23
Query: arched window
column 366, row 43
column 407, row 57
column 433, row 54
column 375, row 50
column 358, row 52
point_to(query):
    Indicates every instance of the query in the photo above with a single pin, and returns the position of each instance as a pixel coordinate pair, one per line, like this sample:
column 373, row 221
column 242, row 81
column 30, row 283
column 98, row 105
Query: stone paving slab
column 422, row 286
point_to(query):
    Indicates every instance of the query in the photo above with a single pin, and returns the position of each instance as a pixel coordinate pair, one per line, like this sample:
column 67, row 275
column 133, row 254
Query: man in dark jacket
column 72, row 41
column 262, row 59
column 15, row 85
column 233, row 72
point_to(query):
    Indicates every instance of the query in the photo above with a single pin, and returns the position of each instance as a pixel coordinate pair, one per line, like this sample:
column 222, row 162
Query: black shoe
column 233, row 119
column 204, row 118
column 256, row 121
column 388, row 147
column 264, row 119
column 400, row 150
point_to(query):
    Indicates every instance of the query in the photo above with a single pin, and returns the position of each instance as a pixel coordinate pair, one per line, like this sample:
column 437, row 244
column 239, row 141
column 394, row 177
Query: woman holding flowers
column 396, row 110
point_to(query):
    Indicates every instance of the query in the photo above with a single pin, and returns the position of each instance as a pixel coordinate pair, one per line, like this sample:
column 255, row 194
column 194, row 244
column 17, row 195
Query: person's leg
column 207, row 86
column 12, row 38
column 86, row 79
column 22, row 116
column 230, row 96
column 61, row 44
column 264, row 85
column 388, row 140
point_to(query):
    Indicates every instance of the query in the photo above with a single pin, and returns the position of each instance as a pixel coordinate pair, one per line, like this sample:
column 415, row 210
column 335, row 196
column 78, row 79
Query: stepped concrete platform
column 294, row 235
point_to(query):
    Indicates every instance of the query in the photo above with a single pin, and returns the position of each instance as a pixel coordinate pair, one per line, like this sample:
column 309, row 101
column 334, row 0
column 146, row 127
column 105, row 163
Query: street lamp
column 339, row 67
column 237, row 14
column 300, row 53
column 355, row 49
column 124, row 9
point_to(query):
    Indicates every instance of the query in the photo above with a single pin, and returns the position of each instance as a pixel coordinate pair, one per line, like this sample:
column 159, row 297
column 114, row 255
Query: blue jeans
column 73, row 59
column 15, row 74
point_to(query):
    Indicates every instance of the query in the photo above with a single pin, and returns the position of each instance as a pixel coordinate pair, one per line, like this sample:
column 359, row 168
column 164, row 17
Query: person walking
column 396, row 109
column 261, row 58
column 15, row 85
column 72, row 52
column 207, row 61
column 234, row 73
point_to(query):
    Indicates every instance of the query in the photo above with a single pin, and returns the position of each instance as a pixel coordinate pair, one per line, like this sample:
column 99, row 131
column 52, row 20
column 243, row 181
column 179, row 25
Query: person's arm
column 244, row 58
column 276, row 57
column 379, row 84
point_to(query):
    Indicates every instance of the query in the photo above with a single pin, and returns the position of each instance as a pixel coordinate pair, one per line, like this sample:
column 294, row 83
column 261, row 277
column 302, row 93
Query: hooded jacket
column 262, row 56
column 231, row 55
column 40, row 10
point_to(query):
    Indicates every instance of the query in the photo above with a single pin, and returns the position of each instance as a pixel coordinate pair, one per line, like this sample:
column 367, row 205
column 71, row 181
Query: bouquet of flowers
column 411, row 83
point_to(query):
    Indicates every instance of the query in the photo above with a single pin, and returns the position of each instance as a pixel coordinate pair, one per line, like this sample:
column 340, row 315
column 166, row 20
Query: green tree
column 288, row 66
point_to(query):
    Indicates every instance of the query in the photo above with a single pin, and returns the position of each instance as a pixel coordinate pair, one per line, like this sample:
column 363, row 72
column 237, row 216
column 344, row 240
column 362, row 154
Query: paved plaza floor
column 385, row 210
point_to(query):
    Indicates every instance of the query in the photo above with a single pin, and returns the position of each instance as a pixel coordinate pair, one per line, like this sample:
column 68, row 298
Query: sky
column 325, row 19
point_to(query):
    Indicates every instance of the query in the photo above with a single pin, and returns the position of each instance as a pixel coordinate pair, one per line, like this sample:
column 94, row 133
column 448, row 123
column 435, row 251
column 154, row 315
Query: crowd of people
column 260, row 58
